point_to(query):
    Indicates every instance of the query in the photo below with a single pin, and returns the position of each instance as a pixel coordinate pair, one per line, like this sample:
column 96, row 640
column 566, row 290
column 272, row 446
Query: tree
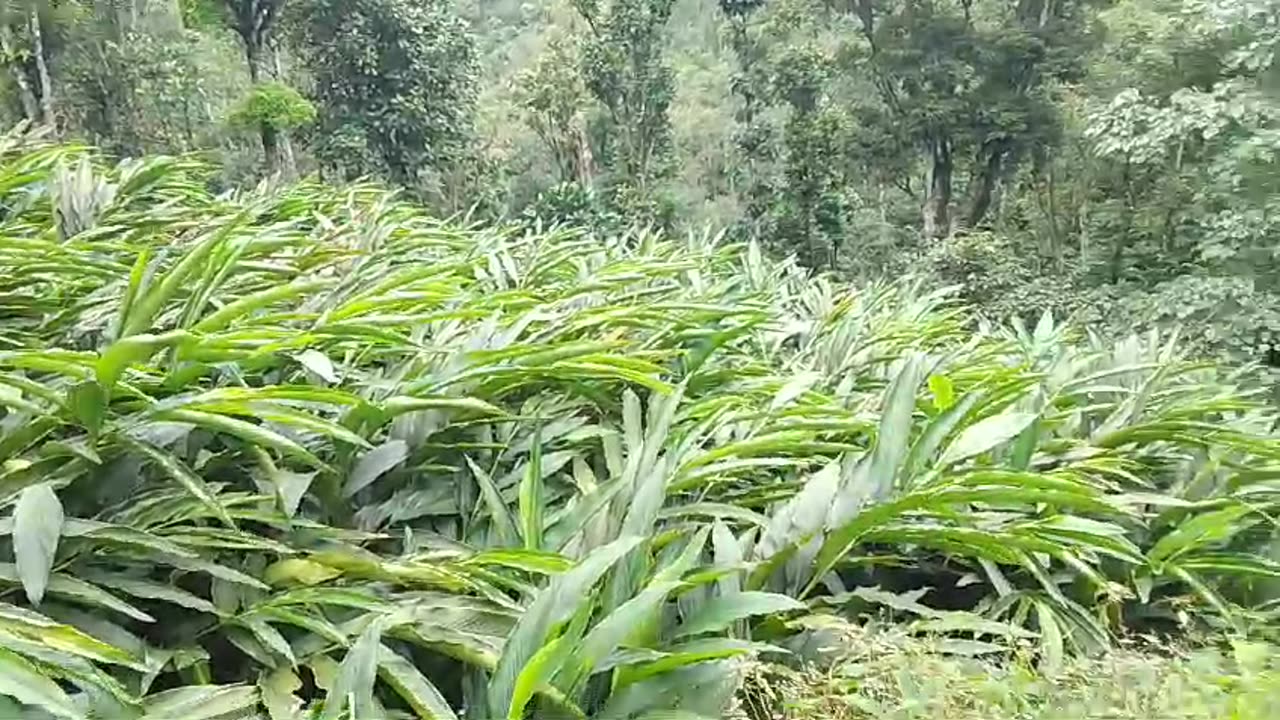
column 625, row 70
column 1155, row 207
column 799, row 202
column 135, row 80
column 739, row 14
column 274, row 105
column 22, row 43
column 554, row 100
column 395, row 83
column 254, row 21
column 1182, row 175
column 966, row 83
column 795, row 134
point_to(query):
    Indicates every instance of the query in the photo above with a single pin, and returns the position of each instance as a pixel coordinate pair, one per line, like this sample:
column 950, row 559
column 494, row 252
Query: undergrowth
column 864, row 672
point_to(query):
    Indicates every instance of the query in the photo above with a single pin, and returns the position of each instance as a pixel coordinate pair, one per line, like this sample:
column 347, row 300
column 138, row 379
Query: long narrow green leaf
column 59, row 637
column 985, row 435
column 178, row 470
column 129, row 350
column 254, row 434
column 143, row 313
column 201, row 702
column 534, row 676
column 137, row 276
column 722, row 611
column 73, row 587
column 413, row 686
column 499, row 514
column 374, row 464
column 257, row 301
column 354, row 687
column 554, row 604
column 894, row 436
column 23, row 681
column 531, row 495
column 149, row 590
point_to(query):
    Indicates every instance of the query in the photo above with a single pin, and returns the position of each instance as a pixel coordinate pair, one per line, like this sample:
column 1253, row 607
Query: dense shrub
column 274, row 105
column 311, row 451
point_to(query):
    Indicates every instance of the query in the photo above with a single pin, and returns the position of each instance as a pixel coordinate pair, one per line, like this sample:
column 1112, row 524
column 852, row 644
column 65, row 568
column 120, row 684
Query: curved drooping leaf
column 413, row 686
column 177, row 470
column 21, row 680
column 73, row 587
column 37, row 525
column 374, row 464
column 722, row 611
column 353, row 689
column 36, row 628
column 531, row 500
column 985, row 435
column 536, row 675
column 201, row 702
column 117, row 358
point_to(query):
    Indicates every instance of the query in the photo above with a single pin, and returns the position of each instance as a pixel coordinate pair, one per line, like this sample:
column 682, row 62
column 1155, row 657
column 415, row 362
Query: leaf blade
column 374, row 464
column 37, row 525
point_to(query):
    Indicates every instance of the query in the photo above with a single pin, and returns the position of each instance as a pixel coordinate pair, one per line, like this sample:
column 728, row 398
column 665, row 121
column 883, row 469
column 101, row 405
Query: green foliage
column 203, row 14
column 554, row 98
column 573, row 205
column 274, row 105
column 1155, row 213
column 797, row 186
column 997, row 277
column 886, row 673
column 958, row 92
column 624, row 68
column 311, row 451
column 399, row 78
column 148, row 91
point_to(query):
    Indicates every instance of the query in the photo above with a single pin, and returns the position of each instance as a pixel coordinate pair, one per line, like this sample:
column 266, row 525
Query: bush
column 274, row 105
column 1002, row 280
column 571, row 204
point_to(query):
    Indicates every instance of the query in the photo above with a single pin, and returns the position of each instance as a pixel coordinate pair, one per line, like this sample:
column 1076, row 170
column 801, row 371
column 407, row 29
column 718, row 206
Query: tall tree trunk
column 288, row 164
column 275, row 147
column 1035, row 14
column 42, row 68
column 983, row 183
column 253, row 56
column 937, row 202
column 106, row 19
column 1121, row 238
column 1048, row 202
column 270, row 139
column 582, row 161
column 272, row 150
